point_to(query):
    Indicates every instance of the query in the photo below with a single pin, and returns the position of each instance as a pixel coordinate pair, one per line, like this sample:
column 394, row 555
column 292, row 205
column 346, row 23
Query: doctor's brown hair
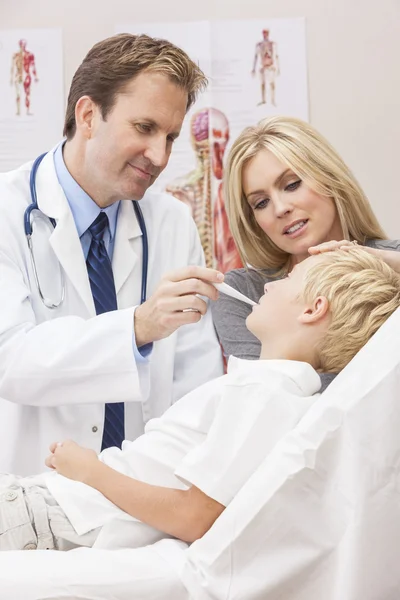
column 112, row 63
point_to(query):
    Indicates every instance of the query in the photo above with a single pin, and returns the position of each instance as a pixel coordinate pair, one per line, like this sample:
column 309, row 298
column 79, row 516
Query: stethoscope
column 29, row 231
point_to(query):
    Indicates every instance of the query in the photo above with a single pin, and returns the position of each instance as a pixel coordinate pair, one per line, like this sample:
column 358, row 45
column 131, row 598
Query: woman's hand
column 390, row 257
column 72, row 461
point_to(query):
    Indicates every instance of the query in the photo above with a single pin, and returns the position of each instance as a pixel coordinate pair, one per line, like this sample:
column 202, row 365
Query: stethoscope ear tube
column 34, row 204
column 145, row 249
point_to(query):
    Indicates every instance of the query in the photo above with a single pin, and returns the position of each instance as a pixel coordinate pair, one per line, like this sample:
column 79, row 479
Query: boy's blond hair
column 362, row 290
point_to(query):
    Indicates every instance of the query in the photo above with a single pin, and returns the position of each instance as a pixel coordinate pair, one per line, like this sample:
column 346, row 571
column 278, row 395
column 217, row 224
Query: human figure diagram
column 266, row 53
column 22, row 68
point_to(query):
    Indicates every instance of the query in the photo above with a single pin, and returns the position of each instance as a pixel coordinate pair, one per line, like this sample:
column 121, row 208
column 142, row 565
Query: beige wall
column 353, row 51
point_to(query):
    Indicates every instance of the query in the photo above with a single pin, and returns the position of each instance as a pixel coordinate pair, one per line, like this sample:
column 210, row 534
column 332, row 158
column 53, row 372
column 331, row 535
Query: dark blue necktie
column 105, row 299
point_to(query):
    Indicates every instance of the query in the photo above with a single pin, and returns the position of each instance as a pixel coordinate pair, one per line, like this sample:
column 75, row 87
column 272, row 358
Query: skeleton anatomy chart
column 256, row 68
column 32, row 99
column 209, row 134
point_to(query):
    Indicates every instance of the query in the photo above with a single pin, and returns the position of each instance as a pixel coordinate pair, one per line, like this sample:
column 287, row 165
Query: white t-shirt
column 214, row 438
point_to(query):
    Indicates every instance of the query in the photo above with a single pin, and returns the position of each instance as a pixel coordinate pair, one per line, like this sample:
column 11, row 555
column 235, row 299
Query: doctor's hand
column 175, row 303
column 72, row 461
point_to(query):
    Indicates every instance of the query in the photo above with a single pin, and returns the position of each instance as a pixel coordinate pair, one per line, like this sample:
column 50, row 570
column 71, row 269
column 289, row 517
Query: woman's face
column 292, row 215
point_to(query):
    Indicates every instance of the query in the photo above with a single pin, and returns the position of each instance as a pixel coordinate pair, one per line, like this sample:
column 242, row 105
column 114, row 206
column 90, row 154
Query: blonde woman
column 288, row 194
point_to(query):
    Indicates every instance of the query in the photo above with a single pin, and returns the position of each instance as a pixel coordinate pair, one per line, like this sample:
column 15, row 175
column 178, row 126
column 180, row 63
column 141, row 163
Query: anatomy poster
column 32, row 95
column 256, row 68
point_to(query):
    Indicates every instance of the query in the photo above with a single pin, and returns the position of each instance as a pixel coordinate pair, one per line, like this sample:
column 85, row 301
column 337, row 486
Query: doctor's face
column 127, row 151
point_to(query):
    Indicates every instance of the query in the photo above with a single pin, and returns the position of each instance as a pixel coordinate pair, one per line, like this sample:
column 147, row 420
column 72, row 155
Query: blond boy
column 178, row 477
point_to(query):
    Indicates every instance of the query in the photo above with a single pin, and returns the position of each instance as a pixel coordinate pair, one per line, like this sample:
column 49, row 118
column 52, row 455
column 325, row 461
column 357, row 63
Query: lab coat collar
column 51, row 198
column 65, row 239
column 301, row 373
column 124, row 256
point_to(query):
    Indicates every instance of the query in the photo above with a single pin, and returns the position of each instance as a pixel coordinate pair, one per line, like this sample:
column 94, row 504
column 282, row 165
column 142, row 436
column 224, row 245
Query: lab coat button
column 10, row 496
column 30, row 546
column 94, row 429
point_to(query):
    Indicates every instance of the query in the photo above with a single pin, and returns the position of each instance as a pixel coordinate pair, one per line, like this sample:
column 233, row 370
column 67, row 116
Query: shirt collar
column 301, row 373
column 83, row 208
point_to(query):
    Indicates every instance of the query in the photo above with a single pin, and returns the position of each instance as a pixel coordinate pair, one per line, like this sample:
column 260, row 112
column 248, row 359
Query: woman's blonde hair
column 362, row 291
column 297, row 145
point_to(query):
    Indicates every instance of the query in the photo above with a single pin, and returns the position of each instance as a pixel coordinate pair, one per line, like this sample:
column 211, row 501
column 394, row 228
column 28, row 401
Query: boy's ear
column 315, row 311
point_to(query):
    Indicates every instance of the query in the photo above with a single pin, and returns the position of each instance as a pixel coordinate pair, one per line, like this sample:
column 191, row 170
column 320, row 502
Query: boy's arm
column 184, row 514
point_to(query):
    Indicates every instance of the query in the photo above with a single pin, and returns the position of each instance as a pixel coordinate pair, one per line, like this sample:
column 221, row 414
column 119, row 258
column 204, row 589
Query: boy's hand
column 72, row 461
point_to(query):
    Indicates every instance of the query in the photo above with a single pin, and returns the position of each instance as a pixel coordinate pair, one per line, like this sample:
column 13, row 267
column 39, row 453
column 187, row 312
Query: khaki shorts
column 31, row 519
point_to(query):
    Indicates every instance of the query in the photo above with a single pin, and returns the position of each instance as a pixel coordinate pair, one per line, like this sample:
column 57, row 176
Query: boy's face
column 278, row 311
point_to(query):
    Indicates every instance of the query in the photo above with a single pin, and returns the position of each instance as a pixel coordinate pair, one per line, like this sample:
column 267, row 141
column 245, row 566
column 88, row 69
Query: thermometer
column 224, row 288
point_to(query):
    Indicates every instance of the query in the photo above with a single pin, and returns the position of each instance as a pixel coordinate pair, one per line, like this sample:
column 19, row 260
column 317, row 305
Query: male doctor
column 71, row 364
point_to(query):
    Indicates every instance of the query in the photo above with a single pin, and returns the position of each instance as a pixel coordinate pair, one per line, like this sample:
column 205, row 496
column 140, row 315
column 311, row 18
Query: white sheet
column 320, row 519
column 88, row 574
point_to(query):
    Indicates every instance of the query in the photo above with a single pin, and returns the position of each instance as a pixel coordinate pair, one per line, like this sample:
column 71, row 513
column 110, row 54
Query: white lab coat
column 58, row 367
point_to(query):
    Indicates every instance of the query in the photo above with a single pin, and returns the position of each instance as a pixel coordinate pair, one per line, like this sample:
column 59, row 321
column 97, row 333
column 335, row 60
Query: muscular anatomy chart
column 32, row 94
column 22, row 69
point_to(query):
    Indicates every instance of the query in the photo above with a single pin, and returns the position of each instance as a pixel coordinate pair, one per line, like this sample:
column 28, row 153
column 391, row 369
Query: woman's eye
column 261, row 203
column 293, row 186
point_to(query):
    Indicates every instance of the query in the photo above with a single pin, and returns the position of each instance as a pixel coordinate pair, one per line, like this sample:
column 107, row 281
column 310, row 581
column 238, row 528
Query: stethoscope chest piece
column 47, row 271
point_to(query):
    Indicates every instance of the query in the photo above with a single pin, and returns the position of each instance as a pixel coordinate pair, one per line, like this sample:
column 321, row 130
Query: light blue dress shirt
column 85, row 211
column 83, row 208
